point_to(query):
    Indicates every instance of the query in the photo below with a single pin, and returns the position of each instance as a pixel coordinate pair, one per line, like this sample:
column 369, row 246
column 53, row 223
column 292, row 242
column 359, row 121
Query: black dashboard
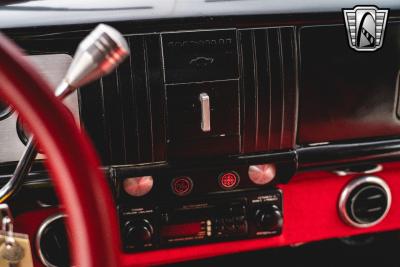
column 202, row 98
column 275, row 91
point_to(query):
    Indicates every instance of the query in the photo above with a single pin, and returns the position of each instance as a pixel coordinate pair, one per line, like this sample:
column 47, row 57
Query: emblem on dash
column 201, row 61
column 365, row 27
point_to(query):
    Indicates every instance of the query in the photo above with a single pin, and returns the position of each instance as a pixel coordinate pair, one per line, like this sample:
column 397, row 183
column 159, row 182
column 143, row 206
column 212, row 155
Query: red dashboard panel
column 29, row 223
column 310, row 214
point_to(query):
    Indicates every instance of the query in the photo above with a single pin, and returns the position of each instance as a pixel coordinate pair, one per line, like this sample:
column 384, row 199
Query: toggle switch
column 205, row 112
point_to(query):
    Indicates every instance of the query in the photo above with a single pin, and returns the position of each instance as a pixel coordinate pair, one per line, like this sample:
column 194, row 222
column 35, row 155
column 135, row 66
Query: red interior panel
column 310, row 214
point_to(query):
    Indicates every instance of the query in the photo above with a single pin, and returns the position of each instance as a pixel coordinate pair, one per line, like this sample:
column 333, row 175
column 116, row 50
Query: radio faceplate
column 219, row 218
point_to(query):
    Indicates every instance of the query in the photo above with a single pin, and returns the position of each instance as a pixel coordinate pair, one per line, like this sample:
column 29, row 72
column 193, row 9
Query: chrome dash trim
column 344, row 196
column 39, row 236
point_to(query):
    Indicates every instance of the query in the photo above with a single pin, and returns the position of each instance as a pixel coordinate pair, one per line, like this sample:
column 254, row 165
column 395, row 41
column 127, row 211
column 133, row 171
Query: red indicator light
column 228, row 180
column 182, row 186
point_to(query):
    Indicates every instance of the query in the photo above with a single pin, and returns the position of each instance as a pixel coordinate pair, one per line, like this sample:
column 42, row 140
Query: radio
column 219, row 218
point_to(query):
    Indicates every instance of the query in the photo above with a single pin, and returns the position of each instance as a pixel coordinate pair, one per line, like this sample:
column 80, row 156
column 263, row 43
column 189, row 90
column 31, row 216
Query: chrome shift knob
column 98, row 54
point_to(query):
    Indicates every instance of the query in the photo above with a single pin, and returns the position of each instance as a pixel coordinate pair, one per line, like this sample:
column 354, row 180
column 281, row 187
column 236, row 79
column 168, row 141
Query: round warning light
column 228, row 180
column 182, row 186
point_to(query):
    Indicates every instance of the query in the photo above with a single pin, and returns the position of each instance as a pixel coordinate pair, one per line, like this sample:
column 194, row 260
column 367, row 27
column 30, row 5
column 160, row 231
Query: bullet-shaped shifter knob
column 98, row 54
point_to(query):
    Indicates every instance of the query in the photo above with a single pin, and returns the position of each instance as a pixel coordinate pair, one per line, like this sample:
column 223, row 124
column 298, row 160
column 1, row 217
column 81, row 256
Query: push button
column 182, row 186
column 228, row 180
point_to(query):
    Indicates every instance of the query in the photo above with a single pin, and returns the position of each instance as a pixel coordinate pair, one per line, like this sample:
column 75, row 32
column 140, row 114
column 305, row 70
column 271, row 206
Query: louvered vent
column 269, row 88
column 125, row 116
column 365, row 201
column 52, row 242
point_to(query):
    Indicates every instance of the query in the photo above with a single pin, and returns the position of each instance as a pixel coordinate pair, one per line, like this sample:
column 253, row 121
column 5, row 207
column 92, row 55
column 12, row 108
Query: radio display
column 180, row 230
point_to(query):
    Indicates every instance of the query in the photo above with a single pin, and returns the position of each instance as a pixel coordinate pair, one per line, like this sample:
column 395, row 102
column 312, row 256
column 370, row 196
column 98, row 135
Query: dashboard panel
column 347, row 95
column 203, row 100
column 273, row 92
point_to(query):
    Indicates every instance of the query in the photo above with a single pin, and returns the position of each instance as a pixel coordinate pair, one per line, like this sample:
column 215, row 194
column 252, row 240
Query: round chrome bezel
column 344, row 196
column 39, row 235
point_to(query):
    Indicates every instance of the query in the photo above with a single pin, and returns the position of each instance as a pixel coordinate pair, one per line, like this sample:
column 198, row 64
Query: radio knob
column 138, row 233
column 262, row 174
column 269, row 218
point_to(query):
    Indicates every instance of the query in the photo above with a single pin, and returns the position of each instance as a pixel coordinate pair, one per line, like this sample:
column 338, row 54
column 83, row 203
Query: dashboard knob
column 269, row 218
column 262, row 174
column 138, row 186
column 138, row 233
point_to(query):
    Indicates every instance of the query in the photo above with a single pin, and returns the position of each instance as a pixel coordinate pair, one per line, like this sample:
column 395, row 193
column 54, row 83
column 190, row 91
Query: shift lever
column 97, row 55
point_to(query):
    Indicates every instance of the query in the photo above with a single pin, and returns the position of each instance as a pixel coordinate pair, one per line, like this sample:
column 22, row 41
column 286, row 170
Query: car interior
column 199, row 133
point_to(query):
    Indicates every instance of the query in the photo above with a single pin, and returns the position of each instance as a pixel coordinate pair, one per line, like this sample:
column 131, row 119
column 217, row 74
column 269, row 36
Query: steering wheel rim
column 72, row 161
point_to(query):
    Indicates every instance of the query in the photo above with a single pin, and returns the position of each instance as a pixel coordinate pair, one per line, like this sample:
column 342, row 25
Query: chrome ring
column 39, row 234
column 374, row 169
column 349, row 189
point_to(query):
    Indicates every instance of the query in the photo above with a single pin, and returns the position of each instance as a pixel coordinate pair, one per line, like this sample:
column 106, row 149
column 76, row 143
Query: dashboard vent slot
column 52, row 242
column 130, row 105
column 268, row 88
column 365, row 201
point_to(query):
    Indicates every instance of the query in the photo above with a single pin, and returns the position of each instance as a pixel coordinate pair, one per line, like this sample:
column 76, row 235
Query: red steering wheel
column 72, row 162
